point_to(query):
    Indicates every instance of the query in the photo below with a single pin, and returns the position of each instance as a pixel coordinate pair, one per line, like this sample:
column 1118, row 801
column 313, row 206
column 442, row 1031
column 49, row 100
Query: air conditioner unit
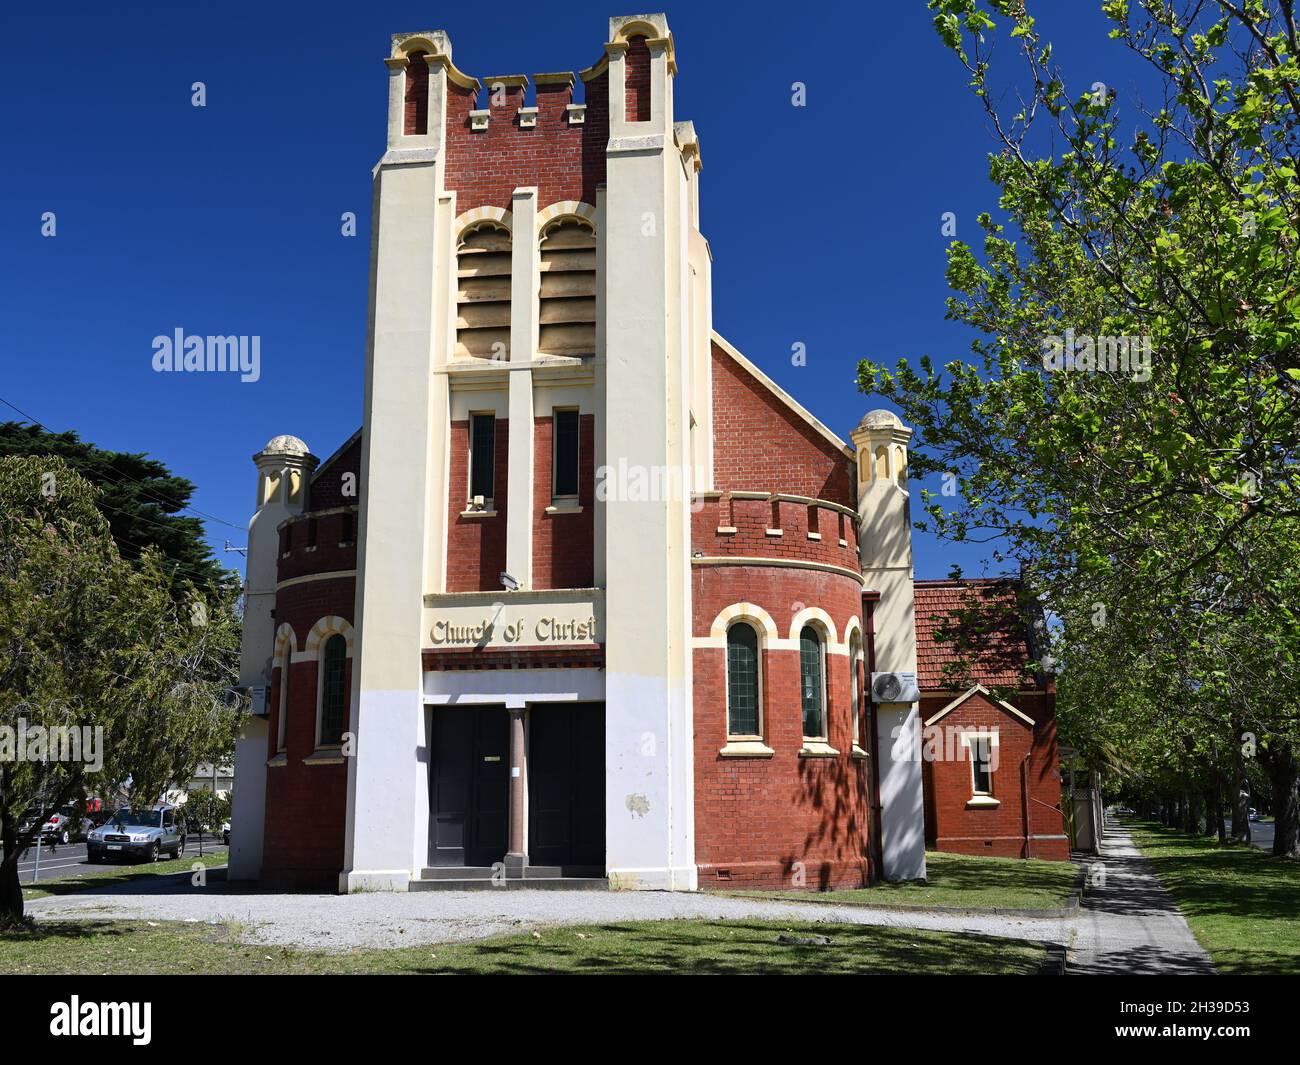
column 258, row 704
column 894, row 688
column 256, row 696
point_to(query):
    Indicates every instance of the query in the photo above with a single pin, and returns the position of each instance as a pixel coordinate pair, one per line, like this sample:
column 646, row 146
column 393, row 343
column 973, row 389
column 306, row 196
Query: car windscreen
column 136, row 818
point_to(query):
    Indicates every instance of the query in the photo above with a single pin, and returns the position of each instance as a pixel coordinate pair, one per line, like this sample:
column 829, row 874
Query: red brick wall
column 756, row 818
column 327, row 487
column 636, row 80
column 565, row 162
column 476, row 547
column 305, row 804
column 997, row 831
column 759, row 444
column 563, row 544
column 416, row 101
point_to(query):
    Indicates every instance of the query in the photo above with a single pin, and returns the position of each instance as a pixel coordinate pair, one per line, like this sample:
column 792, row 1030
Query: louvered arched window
column 483, row 293
column 567, row 302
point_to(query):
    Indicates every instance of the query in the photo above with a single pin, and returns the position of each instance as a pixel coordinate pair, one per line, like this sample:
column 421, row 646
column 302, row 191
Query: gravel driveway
column 344, row 922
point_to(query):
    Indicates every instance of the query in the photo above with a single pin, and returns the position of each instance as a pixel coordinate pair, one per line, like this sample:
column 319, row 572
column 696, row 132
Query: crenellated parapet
column 775, row 526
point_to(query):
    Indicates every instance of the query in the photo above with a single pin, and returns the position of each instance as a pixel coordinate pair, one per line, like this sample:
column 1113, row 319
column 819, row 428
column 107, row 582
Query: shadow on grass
column 744, row 948
column 1208, row 878
column 30, row 932
column 980, row 875
column 164, row 878
column 1242, row 903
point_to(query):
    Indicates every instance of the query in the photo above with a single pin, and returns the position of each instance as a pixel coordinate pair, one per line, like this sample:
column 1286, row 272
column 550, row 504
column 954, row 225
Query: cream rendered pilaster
column 700, row 306
column 284, row 467
column 524, row 267
column 398, row 476
column 885, row 548
column 598, row 397
column 649, row 793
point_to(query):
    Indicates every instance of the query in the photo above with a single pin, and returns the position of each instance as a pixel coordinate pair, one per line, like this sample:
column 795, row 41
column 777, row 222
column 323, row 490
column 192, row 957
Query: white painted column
column 649, row 791
column 400, row 440
column 885, row 548
column 248, row 800
column 524, row 272
column 598, row 393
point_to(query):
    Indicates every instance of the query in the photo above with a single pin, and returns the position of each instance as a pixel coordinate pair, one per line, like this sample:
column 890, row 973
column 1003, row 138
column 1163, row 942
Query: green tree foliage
column 139, row 496
column 207, row 808
column 1153, row 503
column 90, row 641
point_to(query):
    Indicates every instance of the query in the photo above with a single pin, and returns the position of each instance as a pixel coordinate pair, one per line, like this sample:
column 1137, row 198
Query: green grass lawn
column 1243, row 905
column 96, row 876
column 700, row 947
column 956, row 880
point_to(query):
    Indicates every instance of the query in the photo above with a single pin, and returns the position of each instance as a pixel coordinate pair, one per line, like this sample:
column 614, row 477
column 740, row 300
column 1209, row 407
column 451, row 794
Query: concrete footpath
column 383, row 919
column 1128, row 923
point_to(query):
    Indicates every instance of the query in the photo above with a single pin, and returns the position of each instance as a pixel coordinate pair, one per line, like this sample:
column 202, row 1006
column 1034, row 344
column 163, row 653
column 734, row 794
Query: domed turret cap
column 880, row 419
column 285, row 445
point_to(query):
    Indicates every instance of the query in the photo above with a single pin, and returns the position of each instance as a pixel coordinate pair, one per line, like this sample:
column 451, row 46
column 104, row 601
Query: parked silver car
column 63, row 825
column 143, row 834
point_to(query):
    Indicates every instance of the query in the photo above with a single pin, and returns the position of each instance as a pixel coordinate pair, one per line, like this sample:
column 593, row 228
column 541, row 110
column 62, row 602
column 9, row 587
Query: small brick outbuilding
column 991, row 765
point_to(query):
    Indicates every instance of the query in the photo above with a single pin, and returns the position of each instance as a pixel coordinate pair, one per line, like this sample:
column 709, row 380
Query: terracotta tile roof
column 979, row 626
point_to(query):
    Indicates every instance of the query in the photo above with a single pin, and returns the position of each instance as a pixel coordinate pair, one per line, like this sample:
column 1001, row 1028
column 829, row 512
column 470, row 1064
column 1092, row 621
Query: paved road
column 70, row 859
column 1261, row 834
column 1128, row 922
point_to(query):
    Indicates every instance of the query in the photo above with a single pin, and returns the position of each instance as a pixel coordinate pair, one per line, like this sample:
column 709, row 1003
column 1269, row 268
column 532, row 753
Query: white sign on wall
column 514, row 619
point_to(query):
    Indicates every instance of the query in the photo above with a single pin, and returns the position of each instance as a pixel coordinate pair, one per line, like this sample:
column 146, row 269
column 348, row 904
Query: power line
column 134, row 480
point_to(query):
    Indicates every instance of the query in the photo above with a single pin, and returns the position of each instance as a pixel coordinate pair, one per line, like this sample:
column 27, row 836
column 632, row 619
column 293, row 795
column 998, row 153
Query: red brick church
column 588, row 598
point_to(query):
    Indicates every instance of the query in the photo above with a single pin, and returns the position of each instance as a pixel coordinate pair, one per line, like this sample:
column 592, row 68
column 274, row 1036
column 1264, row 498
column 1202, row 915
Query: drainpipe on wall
column 1024, row 790
column 869, row 600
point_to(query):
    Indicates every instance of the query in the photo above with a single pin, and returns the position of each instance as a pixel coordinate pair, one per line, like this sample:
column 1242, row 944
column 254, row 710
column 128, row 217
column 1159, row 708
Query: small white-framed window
column 482, row 457
column 744, row 683
column 981, row 751
column 565, row 450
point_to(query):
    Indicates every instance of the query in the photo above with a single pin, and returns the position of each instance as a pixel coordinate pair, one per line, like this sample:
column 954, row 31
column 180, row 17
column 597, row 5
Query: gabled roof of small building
column 989, row 697
column 979, row 627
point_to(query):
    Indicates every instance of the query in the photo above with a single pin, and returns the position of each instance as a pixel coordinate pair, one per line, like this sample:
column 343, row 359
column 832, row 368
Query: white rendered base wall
column 248, row 802
column 648, row 840
column 383, row 792
column 902, row 815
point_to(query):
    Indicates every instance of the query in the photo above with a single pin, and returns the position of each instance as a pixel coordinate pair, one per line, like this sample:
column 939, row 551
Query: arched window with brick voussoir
column 333, row 691
column 812, row 683
column 744, row 712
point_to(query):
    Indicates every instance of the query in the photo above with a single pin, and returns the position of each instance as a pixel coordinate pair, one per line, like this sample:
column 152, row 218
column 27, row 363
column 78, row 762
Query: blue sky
column 824, row 221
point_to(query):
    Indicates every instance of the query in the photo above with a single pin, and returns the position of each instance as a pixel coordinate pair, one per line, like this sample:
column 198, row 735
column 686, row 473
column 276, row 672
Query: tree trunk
column 1240, row 797
column 11, row 892
column 1283, row 772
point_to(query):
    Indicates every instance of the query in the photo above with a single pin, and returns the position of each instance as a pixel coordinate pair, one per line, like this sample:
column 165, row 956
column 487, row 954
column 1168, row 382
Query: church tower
column 538, row 350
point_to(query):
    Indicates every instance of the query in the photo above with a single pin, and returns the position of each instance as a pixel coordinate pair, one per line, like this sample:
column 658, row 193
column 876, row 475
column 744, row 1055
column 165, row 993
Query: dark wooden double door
column 469, row 786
